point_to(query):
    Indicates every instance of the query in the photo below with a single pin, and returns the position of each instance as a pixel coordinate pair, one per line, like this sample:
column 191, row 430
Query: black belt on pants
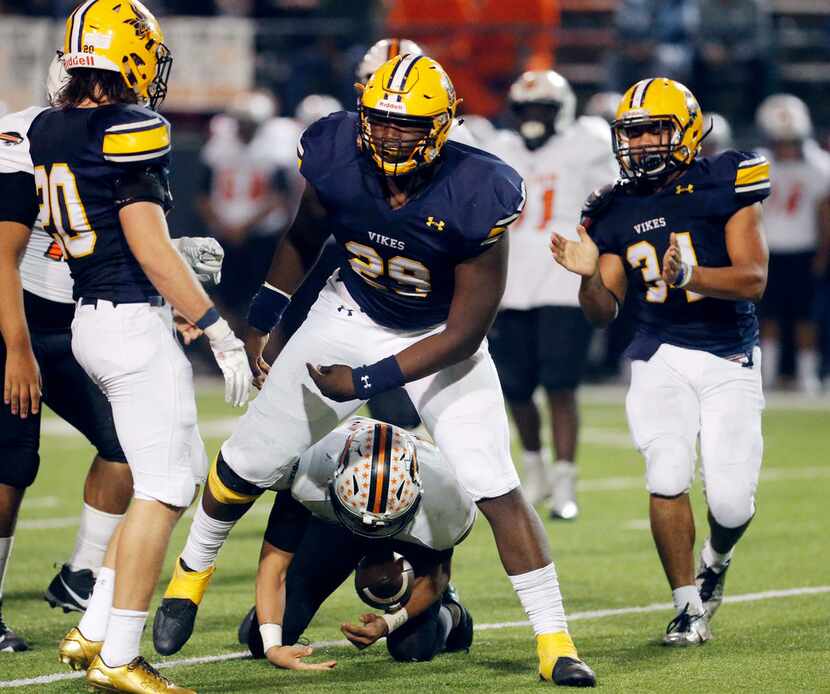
column 153, row 300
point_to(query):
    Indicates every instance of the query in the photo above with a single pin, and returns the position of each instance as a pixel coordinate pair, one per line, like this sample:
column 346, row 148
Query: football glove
column 204, row 255
column 229, row 352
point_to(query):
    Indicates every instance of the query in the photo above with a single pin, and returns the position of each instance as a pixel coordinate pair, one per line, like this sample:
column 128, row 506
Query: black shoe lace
column 141, row 662
column 681, row 622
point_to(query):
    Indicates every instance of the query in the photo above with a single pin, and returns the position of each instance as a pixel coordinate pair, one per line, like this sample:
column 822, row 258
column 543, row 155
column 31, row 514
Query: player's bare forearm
column 270, row 584
column 822, row 259
column 596, row 301
column 429, row 588
column 746, row 277
column 13, row 239
column 601, row 294
column 145, row 229
column 300, row 247
column 479, row 285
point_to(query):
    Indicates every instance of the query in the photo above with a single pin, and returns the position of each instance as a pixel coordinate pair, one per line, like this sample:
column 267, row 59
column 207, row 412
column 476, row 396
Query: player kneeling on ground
column 407, row 501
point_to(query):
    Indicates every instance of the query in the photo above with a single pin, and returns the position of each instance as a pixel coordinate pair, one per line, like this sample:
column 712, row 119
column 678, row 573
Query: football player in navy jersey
column 36, row 355
column 684, row 235
column 422, row 222
column 100, row 161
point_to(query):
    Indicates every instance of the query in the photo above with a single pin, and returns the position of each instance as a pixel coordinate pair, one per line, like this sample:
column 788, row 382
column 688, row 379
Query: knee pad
column 18, row 466
column 731, row 508
column 415, row 647
column 229, row 488
column 670, row 468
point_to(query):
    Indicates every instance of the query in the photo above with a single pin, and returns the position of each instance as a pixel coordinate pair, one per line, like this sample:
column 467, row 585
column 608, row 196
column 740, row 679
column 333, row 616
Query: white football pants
column 680, row 395
column 462, row 407
column 130, row 351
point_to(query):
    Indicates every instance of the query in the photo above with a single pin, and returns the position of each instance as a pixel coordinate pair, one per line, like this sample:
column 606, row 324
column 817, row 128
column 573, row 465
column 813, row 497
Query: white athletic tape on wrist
column 685, row 275
column 271, row 635
column 395, row 620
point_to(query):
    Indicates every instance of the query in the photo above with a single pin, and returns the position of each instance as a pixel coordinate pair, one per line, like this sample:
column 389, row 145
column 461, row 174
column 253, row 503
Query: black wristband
column 210, row 317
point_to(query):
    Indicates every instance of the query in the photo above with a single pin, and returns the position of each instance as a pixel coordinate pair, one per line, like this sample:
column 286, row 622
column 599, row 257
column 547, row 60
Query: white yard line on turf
column 576, row 616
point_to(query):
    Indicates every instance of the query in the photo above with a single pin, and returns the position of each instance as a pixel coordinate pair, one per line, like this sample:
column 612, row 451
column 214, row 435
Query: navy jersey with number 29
column 696, row 207
column 400, row 262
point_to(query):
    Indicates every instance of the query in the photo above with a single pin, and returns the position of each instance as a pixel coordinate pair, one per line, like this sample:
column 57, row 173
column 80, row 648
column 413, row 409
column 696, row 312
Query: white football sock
column 687, row 595
column 93, row 624
column 6, row 544
column 712, row 559
column 534, row 477
column 445, row 619
column 538, row 591
column 93, row 537
column 770, row 351
column 123, row 636
column 806, row 367
column 205, row 539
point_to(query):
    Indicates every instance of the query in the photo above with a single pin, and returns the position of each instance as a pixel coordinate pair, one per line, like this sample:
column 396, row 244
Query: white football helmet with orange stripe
column 381, row 52
column 376, row 487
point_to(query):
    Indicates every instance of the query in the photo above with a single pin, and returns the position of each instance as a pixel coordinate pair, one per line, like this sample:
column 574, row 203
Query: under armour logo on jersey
column 365, row 380
column 437, row 223
column 348, row 311
column 679, row 190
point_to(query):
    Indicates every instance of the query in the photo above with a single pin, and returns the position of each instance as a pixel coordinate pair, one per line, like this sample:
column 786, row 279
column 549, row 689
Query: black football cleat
column 9, row 641
column 249, row 635
column 173, row 624
column 570, row 672
column 460, row 637
column 70, row 590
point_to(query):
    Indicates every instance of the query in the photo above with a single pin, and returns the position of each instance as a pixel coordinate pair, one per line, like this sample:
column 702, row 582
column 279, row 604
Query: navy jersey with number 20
column 696, row 207
column 400, row 262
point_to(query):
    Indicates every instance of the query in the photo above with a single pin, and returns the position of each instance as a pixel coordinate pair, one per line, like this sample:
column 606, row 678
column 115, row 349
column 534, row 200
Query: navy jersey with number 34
column 696, row 207
column 400, row 262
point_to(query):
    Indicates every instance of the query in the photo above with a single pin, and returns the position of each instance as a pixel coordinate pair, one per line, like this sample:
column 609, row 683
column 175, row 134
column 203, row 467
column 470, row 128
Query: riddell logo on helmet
column 391, row 106
column 76, row 60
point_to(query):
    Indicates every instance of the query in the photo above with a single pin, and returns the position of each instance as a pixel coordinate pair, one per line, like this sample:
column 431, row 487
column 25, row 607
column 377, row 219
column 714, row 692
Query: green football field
column 772, row 636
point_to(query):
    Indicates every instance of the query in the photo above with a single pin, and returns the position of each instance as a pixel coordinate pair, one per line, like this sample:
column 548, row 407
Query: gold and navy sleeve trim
column 140, row 141
column 752, row 175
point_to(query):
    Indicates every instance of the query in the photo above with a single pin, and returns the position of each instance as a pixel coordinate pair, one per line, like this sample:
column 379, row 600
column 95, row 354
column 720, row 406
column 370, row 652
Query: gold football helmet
column 663, row 107
column 406, row 111
column 119, row 36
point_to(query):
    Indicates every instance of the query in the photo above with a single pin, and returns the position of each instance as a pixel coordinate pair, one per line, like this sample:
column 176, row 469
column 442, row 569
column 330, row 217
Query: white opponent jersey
column 43, row 270
column 559, row 176
column 243, row 174
column 791, row 212
column 444, row 517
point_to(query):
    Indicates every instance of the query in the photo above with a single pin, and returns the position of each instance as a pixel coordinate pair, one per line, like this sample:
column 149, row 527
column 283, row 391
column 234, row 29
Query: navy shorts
column 545, row 346
column 71, row 394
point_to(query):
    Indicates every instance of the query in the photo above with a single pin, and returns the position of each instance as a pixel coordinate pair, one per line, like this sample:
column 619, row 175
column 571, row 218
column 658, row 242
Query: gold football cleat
column 137, row 677
column 559, row 662
column 76, row 651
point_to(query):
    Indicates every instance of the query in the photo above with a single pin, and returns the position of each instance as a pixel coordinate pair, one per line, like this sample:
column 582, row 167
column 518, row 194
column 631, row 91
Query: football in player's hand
column 384, row 581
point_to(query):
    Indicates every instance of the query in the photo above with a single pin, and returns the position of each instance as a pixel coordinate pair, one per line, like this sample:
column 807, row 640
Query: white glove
column 203, row 254
column 230, row 355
